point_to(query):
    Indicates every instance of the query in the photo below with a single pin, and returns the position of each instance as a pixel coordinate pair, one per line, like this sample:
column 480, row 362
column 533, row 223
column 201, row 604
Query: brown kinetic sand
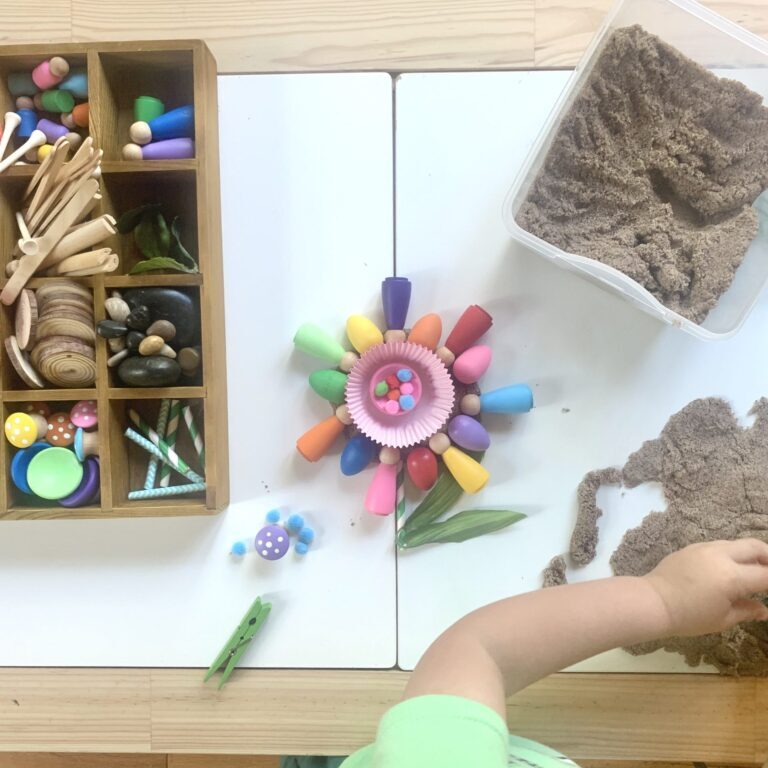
column 714, row 474
column 653, row 171
column 554, row 573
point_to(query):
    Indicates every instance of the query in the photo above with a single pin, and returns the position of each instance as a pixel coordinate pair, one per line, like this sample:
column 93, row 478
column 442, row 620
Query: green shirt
column 450, row 732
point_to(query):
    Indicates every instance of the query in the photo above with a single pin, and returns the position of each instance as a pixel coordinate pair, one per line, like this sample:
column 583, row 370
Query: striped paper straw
column 197, row 438
column 171, row 432
column 162, row 421
column 164, row 453
column 159, row 493
column 400, row 506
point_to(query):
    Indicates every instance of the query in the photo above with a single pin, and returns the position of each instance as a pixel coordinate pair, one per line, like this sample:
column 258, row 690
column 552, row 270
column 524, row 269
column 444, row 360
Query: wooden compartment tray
column 178, row 72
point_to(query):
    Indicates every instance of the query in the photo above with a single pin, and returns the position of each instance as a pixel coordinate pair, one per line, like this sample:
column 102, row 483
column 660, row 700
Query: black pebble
column 139, row 318
column 133, row 339
column 178, row 307
column 111, row 329
column 152, row 371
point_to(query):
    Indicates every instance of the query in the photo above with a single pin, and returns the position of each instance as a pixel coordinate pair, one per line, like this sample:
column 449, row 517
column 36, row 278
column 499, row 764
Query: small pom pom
column 239, row 548
column 273, row 516
column 301, row 548
column 294, row 523
column 306, row 535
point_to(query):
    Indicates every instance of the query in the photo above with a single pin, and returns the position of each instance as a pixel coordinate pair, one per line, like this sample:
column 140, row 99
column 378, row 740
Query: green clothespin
column 241, row 638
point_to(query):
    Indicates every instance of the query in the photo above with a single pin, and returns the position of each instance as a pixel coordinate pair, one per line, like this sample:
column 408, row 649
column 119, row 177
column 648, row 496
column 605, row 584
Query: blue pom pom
column 239, row 548
column 405, row 374
column 407, row 402
column 301, row 548
column 306, row 535
column 273, row 516
column 294, row 523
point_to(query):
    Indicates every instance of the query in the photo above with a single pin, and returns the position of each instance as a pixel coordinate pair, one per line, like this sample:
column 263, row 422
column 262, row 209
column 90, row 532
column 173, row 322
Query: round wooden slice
column 66, row 362
column 26, row 319
column 65, row 301
column 70, row 314
column 59, row 287
column 66, row 326
column 51, row 344
column 21, row 364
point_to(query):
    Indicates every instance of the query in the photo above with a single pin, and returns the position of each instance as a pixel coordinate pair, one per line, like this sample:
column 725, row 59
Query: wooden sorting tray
column 178, row 72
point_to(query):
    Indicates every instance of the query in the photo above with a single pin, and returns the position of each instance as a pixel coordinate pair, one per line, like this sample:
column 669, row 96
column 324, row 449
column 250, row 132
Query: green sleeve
column 445, row 731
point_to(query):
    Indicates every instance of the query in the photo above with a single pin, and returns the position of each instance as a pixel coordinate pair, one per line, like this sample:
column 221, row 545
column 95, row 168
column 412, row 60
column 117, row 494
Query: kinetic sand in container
column 702, row 260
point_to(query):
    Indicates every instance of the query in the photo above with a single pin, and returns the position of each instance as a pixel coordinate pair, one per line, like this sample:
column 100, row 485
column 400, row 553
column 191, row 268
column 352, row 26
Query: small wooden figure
column 48, row 74
column 171, row 149
column 177, row 124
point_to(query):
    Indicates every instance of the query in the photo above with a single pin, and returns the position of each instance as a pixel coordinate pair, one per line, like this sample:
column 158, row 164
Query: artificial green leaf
column 147, row 239
column 130, row 219
column 462, row 526
column 160, row 262
column 443, row 495
column 177, row 250
column 163, row 235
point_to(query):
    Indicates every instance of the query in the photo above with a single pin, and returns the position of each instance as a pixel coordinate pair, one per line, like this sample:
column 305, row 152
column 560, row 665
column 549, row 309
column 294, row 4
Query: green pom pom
column 381, row 389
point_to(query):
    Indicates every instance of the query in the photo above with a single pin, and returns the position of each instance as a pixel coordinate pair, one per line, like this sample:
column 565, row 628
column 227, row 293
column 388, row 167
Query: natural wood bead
column 470, row 404
column 446, row 356
column 389, row 455
column 342, row 414
column 348, row 361
column 439, row 443
column 151, row 345
column 392, row 337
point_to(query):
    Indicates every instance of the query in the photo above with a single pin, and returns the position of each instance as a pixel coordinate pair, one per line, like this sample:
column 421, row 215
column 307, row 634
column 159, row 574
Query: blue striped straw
column 150, row 448
column 159, row 493
column 162, row 421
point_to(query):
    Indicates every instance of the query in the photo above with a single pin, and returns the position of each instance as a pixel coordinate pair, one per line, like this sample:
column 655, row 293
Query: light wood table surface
column 601, row 717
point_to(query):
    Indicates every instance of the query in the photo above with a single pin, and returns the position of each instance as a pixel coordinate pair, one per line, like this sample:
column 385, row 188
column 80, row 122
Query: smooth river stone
column 172, row 305
column 154, row 371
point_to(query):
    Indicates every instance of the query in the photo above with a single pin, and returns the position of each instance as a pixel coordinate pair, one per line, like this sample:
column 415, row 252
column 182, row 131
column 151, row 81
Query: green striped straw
column 159, row 493
column 171, row 433
column 197, row 438
column 400, row 506
column 164, row 453
column 162, row 421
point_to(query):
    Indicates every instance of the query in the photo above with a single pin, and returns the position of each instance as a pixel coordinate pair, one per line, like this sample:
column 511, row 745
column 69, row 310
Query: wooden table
column 603, row 717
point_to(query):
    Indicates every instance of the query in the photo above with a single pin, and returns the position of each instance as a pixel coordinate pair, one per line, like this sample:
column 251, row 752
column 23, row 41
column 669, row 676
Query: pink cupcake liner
column 406, row 429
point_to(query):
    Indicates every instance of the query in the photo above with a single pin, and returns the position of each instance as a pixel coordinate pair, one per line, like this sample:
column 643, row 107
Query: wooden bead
column 392, row 337
column 388, row 455
column 470, row 405
column 446, row 356
column 439, row 443
column 348, row 361
column 342, row 414
column 151, row 345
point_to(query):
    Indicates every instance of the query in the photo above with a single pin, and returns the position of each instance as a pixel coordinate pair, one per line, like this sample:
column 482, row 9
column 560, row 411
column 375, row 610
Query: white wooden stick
column 37, row 139
column 12, row 122
column 78, row 261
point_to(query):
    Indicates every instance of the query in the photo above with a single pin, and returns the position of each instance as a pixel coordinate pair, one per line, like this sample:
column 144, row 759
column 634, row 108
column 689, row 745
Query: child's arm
column 497, row 650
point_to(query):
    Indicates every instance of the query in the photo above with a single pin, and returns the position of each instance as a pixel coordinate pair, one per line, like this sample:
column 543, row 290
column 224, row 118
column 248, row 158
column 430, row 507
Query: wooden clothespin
column 241, row 638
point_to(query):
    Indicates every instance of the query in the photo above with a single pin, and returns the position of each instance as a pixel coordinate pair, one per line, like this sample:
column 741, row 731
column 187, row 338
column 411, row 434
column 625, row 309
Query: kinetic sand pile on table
column 714, row 475
column 653, row 171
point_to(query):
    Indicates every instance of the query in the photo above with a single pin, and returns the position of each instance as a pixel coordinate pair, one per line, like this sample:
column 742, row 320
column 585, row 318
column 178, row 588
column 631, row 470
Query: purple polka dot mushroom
column 272, row 542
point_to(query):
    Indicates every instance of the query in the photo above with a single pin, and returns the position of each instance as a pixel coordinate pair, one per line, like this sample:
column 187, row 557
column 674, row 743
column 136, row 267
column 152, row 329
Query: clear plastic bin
column 722, row 47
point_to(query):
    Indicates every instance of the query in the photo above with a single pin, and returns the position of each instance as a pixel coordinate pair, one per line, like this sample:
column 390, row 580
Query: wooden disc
column 69, row 313
column 21, row 364
column 64, row 301
column 26, row 319
column 65, row 361
column 58, row 287
column 66, row 326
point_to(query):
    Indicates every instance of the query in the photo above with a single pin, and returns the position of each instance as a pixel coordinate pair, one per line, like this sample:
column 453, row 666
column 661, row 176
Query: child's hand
column 711, row 587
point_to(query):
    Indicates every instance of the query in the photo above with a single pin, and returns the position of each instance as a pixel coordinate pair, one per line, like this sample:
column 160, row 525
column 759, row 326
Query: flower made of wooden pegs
column 402, row 400
column 273, row 541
